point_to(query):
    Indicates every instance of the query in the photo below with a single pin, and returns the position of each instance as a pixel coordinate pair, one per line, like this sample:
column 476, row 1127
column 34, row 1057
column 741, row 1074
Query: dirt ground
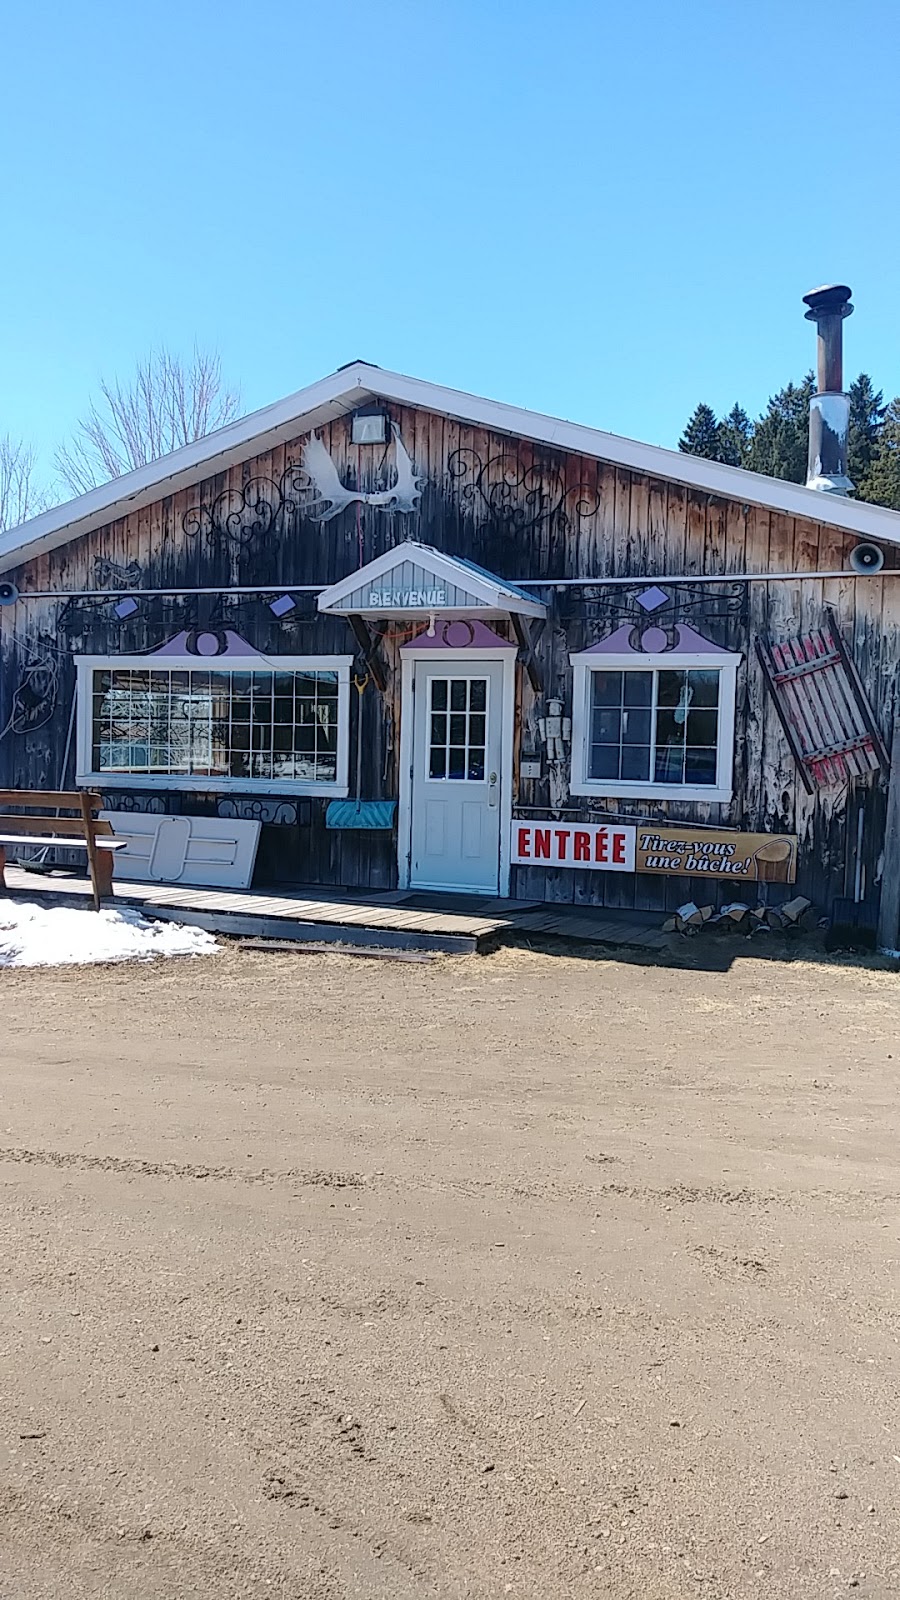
column 523, row 1275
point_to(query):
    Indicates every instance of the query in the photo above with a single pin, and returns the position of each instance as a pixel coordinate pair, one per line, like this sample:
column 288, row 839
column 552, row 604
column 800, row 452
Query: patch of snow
column 60, row 936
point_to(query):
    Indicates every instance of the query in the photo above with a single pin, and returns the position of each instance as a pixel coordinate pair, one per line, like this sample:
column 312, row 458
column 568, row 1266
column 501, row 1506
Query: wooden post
column 88, row 803
column 106, row 861
column 889, row 909
column 526, row 638
column 369, row 650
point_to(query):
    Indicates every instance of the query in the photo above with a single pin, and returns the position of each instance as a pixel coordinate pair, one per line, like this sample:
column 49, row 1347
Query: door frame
column 446, row 656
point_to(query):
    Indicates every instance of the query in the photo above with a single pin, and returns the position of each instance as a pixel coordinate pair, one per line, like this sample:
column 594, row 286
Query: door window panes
column 457, row 724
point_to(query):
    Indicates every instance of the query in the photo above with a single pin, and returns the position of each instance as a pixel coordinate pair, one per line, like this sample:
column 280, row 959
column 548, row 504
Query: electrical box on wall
column 530, row 767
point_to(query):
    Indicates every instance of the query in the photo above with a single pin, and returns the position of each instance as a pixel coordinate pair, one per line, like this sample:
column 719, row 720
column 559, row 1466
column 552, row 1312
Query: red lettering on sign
column 604, row 847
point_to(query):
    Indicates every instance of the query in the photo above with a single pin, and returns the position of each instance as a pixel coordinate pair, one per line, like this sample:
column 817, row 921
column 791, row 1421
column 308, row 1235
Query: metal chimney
column 829, row 409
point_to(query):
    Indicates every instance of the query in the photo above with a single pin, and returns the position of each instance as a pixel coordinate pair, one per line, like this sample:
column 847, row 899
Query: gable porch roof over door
column 415, row 579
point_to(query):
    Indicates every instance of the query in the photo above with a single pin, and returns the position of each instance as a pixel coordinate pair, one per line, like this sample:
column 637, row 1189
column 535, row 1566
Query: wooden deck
column 400, row 919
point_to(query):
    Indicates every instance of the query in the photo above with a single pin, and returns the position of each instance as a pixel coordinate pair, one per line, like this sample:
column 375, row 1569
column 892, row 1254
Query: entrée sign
column 754, row 857
column 609, row 848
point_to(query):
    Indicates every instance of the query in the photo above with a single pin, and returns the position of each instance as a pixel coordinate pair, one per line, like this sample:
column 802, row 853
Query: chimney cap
column 831, row 300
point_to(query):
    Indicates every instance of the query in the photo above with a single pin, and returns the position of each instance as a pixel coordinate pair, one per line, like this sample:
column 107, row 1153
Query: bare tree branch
column 20, row 497
column 168, row 403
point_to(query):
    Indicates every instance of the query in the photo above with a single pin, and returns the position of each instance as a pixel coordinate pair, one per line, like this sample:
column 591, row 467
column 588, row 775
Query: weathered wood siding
column 524, row 512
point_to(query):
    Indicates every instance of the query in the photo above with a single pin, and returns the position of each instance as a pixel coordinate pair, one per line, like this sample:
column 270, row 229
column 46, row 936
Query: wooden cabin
column 415, row 638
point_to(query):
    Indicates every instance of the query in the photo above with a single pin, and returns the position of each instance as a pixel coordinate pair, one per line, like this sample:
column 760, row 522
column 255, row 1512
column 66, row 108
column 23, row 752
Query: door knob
column 492, row 789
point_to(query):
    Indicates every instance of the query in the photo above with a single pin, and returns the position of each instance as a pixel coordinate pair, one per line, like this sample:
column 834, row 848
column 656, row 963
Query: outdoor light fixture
column 369, row 426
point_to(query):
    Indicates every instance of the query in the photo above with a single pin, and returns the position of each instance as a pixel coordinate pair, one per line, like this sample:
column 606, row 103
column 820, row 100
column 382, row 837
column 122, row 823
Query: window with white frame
column 189, row 722
column 654, row 726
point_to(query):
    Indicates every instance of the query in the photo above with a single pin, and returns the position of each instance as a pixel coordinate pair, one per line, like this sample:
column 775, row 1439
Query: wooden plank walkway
column 307, row 914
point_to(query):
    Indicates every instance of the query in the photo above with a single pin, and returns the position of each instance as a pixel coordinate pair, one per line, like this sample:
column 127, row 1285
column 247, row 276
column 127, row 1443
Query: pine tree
column 780, row 443
column 867, row 410
column 882, row 482
column 735, row 436
column 701, row 436
column 777, row 444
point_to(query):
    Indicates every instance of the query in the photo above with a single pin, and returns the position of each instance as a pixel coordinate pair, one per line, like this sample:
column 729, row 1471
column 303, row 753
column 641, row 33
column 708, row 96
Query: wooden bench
column 82, row 832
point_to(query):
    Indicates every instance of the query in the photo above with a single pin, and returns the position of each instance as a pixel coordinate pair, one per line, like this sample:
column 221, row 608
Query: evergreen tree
column 867, row 411
column 780, row 442
column 735, row 437
column 882, row 482
column 701, row 436
column 777, row 444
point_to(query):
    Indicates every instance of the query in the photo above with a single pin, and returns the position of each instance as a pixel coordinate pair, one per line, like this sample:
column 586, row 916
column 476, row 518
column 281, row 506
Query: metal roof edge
column 340, row 391
column 346, row 388
column 652, row 460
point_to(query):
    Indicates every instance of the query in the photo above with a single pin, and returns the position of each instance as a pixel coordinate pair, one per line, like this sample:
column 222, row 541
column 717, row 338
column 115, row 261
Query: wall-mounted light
column 369, row 425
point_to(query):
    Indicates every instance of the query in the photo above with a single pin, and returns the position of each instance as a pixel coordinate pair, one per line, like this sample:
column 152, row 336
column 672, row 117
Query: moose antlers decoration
column 241, row 517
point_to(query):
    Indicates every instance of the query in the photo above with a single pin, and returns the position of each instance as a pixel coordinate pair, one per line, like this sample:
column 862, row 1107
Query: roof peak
column 346, row 389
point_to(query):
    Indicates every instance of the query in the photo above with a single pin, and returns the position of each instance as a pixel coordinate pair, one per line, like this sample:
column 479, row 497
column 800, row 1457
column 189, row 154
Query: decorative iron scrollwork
column 37, row 690
column 240, row 517
column 613, row 606
column 81, row 613
column 281, row 812
column 121, row 800
column 117, row 576
column 516, row 496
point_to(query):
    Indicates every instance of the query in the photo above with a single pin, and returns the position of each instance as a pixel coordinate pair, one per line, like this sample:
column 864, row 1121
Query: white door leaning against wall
column 456, row 776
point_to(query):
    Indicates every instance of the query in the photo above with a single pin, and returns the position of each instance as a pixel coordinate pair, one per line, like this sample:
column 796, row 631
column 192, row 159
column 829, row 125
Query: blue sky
column 601, row 211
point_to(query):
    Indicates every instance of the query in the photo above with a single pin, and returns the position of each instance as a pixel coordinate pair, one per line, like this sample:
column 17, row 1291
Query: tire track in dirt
column 552, row 1190
column 676, row 1193
column 133, row 1167
column 195, row 1559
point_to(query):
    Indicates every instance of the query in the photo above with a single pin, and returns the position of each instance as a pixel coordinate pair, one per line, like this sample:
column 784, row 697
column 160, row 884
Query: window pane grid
column 654, row 725
column 216, row 724
column 457, row 729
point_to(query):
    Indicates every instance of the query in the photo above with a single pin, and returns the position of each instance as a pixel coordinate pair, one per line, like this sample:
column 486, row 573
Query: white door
column 457, row 776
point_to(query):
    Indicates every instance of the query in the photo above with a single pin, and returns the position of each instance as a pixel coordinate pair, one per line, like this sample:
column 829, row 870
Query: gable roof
column 414, row 568
column 352, row 386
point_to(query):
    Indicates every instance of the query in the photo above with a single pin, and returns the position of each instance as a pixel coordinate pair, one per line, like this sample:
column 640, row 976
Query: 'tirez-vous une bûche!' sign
column 706, row 853
column 626, row 847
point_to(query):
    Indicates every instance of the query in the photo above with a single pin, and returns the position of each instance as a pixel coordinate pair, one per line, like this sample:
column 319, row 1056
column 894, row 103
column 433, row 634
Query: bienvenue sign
column 407, row 599
column 627, row 847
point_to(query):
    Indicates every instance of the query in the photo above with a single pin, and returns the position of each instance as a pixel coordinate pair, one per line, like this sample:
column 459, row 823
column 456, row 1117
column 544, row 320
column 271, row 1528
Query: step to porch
column 351, row 934
column 396, row 919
